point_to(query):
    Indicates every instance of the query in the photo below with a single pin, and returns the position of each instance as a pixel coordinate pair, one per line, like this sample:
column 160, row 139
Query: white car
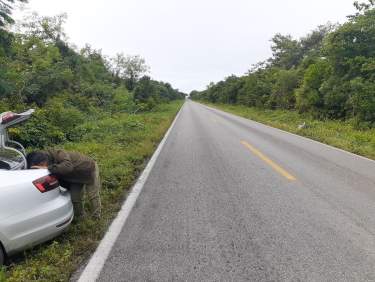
column 33, row 208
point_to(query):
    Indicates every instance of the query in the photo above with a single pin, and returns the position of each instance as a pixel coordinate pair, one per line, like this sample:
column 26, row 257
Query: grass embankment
column 121, row 144
column 339, row 134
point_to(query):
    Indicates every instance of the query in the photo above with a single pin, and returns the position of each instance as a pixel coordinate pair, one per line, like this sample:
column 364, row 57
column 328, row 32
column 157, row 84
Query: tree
column 312, row 44
column 286, row 81
column 48, row 29
column 257, row 86
column 363, row 7
column 350, row 52
column 363, row 100
column 6, row 39
column 309, row 96
column 287, row 52
column 6, row 7
column 144, row 93
column 129, row 68
column 94, row 67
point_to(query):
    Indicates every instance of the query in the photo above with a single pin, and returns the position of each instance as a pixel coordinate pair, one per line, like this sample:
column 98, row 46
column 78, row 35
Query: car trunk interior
column 12, row 154
column 9, row 160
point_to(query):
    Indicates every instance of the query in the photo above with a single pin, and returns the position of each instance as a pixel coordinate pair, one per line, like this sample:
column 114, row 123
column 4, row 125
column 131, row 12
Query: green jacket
column 71, row 167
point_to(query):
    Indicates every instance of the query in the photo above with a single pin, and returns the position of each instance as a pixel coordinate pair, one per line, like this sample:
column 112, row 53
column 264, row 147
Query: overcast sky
column 190, row 43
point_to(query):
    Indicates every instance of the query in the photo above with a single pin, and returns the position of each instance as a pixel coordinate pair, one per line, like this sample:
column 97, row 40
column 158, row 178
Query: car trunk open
column 12, row 153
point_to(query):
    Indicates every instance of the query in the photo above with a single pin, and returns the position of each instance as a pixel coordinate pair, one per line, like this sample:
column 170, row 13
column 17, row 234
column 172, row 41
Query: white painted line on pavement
column 97, row 261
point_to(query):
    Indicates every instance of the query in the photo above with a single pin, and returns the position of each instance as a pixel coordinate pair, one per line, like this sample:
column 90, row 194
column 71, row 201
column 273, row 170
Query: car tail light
column 46, row 183
column 8, row 117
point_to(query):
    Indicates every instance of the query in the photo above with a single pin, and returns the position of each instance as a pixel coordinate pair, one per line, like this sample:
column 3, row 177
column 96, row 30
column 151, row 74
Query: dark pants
column 92, row 192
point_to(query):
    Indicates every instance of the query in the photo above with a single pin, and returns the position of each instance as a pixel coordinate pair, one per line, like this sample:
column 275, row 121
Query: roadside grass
column 121, row 144
column 340, row 134
column 2, row 274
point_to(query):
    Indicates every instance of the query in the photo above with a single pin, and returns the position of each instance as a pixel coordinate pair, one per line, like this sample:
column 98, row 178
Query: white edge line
column 98, row 259
column 290, row 133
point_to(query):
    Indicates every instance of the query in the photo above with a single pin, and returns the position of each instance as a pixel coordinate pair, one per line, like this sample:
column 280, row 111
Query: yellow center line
column 272, row 164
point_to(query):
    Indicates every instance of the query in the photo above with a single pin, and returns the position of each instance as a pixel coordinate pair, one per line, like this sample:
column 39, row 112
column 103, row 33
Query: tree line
column 40, row 69
column 330, row 73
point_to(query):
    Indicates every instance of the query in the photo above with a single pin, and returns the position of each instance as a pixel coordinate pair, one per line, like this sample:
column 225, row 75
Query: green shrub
column 63, row 115
column 363, row 101
column 123, row 101
column 38, row 132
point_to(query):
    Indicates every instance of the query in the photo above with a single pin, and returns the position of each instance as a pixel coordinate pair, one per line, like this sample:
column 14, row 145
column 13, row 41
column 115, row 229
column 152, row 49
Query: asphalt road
column 233, row 200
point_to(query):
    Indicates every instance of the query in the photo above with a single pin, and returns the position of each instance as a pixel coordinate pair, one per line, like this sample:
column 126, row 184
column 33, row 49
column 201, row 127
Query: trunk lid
column 18, row 193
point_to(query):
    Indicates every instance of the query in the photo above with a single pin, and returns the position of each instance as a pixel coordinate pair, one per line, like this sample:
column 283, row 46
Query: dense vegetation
column 39, row 69
column 104, row 107
column 330, row 73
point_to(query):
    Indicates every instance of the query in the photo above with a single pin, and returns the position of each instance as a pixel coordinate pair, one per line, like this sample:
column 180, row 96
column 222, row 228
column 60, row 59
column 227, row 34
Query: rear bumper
column 23, row 232
column 65, row 223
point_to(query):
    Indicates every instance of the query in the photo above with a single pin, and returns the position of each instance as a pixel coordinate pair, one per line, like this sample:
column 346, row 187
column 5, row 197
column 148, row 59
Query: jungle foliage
column 40, row 69
column 329, row 73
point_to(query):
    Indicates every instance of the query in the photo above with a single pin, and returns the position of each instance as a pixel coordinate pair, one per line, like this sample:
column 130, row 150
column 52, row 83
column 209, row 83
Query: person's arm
column 63, row 164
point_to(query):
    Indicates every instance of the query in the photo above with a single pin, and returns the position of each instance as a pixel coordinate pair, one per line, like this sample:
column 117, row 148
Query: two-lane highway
column 233, row 200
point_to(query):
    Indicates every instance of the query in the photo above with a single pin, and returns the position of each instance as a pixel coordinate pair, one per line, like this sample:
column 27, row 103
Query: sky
column 190, row 43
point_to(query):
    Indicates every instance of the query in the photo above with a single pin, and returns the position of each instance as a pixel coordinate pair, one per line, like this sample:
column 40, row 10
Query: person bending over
column 76, row 172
